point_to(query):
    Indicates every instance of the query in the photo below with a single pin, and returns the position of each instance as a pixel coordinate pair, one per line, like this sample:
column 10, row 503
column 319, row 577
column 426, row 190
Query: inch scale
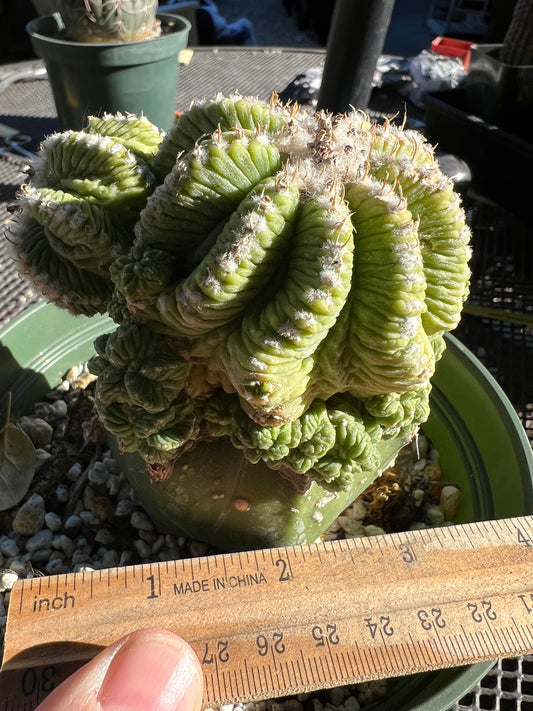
column 282, row 621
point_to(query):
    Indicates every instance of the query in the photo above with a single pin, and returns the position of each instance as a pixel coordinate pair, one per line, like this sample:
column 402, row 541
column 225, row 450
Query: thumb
column 148, row 670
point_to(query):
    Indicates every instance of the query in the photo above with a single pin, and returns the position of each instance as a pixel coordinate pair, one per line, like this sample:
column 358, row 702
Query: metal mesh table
column 502, row 267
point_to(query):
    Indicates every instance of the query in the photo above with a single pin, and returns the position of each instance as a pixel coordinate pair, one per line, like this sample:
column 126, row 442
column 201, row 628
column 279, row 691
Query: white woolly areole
column 305, row 317
column 238, row 251
column 273, row 343
column 257, row 222
column 257, row 364
column 312, row 295
column 289, row 330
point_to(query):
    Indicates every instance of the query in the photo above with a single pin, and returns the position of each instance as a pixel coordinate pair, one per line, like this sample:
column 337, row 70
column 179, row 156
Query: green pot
column 482, row 444
column 89, row 79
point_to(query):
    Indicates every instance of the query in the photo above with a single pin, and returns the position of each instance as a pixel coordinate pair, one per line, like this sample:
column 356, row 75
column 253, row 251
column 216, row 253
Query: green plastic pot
column 89, row 79
column 481, row 441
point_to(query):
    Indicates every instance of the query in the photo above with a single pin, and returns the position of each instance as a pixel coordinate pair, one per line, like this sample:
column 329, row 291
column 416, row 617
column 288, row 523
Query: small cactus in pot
column 109, row 20
column 280, row 301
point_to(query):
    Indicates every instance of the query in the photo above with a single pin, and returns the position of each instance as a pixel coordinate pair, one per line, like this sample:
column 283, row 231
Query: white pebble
column 81, row 558
column 126, row 557
column 372, row 530
column 351, row 704
column 110, row 558
column 55, row 566
column 60, row 409
column 450, row 498
column 62, row 493
column 104, row 536
column 98, row 474
column 73, row 523
column 67, row 545
column 8, row 547
column 352, row 526
column 141, row 521
column 158, row 544
column 83, row 568
column 42, row 457
column 88, row 518
column 113, row 484
column 337, row 695
column 434, row 516
column 74, row 472
column 142, row 548
column 124, row 508
column 7, row 579
column 42, row 539
column 30, row 517
column 53, row 521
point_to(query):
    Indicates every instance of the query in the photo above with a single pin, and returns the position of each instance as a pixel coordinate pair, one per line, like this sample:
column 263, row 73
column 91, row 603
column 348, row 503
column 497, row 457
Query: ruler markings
column 324, row 662
column 403, row 653
column 477, row 651
column 451, row 648
column 508, row 639
column 233, row 684
column 242, row 685
column 369, row 660
column 466, row 652
column 468, row 645
column 496, row 641
column 222, row 675
column 249, row 679
column 269, row 681
column 520, row 633
column 304, row 667
column 393, row 604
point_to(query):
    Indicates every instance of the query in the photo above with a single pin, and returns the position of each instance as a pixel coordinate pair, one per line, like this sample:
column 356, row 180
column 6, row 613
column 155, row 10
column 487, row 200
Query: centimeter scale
column 281, row 621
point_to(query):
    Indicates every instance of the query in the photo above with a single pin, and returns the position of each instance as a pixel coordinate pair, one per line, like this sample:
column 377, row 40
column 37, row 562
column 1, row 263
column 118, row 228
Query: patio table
column 502, row 264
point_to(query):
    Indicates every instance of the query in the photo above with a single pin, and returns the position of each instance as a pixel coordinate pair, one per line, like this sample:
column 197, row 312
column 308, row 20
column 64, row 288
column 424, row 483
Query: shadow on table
column 37, row 127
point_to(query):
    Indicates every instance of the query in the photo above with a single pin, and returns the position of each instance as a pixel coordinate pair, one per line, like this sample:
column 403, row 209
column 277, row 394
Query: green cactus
column 109, row 20
column 287, row 287
column 77, row 213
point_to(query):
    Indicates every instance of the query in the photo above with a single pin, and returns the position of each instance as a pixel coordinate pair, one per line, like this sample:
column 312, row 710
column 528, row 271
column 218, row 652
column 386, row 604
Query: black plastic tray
column 499, row 160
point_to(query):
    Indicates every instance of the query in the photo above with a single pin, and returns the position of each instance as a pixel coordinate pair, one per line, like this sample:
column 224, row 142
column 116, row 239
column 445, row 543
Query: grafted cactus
column 109, row 20
column 287, row 290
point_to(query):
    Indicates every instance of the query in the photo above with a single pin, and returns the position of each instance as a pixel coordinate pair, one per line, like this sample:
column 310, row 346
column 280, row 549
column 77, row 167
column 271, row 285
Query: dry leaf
column 17, row 465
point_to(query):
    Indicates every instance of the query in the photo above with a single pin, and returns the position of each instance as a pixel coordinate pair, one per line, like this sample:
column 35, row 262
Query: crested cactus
column 285, row 288
column 80, row 208
column 109, row 20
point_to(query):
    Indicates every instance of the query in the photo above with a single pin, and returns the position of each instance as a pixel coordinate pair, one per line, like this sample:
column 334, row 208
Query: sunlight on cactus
column 279, row 279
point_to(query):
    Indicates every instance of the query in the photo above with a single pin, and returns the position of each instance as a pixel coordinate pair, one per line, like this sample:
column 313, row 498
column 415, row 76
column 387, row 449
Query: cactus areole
column 281, row 283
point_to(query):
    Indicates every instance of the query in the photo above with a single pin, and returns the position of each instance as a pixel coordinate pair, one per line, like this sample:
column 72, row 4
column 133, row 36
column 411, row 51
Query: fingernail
column 152, row 671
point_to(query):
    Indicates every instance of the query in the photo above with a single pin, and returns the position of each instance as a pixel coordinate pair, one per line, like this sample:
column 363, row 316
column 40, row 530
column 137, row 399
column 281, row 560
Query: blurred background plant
column 517, row 49
column 109, row 20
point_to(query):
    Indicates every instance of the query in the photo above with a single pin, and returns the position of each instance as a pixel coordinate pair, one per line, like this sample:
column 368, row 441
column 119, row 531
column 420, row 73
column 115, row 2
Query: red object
column 453, row 48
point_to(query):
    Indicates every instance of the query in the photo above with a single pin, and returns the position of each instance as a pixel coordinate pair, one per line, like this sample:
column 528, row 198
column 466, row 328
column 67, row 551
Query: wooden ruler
column 281, row 621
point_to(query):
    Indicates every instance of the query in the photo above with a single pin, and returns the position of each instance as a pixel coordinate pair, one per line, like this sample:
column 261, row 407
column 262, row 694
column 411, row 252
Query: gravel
column 81, row 514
